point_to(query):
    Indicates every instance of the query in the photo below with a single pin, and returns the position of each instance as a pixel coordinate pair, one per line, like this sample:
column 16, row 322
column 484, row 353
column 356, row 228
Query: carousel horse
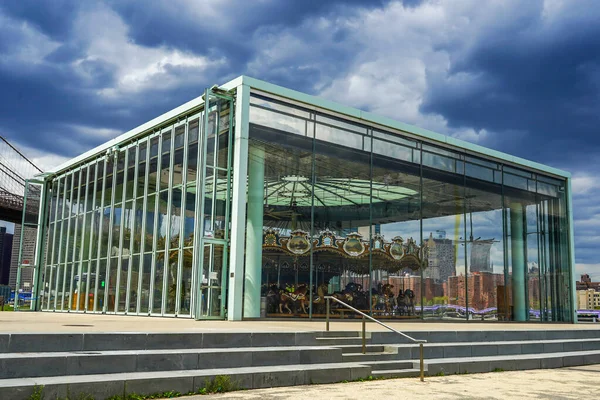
column 319, row 300
column 342, row 296
column 382, row 300
column 272, row 295
column 409, row 301
column 293, row 296
column 360, row 299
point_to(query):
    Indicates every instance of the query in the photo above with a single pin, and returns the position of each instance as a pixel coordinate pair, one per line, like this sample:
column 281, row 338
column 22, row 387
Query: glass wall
column 394, row 225
column 121, row 227
column 398, row 227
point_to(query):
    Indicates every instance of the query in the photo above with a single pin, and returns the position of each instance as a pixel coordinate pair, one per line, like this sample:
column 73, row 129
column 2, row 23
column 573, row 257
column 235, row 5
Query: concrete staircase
column 106, row 364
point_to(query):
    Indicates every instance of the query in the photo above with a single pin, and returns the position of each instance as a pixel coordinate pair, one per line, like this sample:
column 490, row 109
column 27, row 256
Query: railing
column 364, row 328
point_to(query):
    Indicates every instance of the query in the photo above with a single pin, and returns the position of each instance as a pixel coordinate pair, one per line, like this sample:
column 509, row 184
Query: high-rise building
column 442, row 260
column 29, row 238
column 6, row 243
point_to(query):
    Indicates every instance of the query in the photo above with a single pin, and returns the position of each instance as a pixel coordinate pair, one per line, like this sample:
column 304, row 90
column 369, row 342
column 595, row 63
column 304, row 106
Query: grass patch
column 220, row 384
column 38, row 393
column 497, row 370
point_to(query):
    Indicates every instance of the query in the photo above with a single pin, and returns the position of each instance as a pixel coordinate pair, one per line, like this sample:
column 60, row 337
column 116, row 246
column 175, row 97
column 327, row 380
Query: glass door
column 213, row 281
column 213, row 207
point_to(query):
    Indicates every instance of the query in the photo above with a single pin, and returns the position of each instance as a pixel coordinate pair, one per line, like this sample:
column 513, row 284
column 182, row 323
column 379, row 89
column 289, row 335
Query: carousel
column 341, row 268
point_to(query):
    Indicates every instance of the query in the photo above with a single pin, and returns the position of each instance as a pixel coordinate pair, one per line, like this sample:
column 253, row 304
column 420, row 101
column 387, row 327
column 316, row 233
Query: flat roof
column 314, row 101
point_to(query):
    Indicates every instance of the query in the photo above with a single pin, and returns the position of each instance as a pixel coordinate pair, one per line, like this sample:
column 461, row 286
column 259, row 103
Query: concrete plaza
column 53, row 322
column 563, row 383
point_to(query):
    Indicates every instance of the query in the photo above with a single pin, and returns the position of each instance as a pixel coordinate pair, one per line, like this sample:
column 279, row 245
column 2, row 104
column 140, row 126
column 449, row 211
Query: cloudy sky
column 521, row 77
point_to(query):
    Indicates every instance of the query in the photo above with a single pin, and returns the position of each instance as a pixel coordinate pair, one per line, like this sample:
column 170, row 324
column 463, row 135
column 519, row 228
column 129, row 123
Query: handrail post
column 327, row 316
column 421, row 362
column 364, row 339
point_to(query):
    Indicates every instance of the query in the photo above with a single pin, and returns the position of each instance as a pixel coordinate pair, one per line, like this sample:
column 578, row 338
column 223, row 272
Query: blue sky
column 521, row 77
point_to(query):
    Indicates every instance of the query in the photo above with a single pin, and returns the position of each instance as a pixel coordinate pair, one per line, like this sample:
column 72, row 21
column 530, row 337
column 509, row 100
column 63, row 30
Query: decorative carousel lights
column 391, row 256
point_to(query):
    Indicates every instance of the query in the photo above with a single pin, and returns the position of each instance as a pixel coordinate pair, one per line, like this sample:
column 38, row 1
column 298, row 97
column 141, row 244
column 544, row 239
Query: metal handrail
column 364, row 318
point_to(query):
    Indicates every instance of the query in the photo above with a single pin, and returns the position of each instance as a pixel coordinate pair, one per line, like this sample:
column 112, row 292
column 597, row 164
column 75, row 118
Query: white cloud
column 593, row 270
column 396, row 52
column 103, row 134
column 582, row 183
column 136, row 68
column 42, row 159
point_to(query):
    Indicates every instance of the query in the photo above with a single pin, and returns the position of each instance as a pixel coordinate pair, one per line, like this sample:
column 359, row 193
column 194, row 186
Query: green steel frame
column 128, row 144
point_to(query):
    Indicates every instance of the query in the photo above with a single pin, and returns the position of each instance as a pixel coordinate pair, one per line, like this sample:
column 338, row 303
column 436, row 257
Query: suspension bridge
column 15, row 170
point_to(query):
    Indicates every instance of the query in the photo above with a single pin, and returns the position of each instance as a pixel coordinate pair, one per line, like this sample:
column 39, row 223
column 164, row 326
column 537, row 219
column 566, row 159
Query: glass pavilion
column 255, row 201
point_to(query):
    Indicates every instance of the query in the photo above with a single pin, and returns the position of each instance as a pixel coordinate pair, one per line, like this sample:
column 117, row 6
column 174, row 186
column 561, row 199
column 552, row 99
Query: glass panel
column 395, row 212
column 165, row 163
column 133, row 284
column 163, row 218
column 444, row 231
column 141, row 174
column 532, row 259
column 171, row 277
column 345, row 125
column 53, row 200
column 101, row 286
column 189, row 215
column 485, row 250
column 479, row 172
column 137, row 226
column 442, row 162
column 338, row 136
column 175, row 217
column 270, row 114
column 392, row 150
column 214, row 212
column 91, row 288
column 210, row 137
column 111, row 284
column 146, row 269
column 341, row 213
column 80, row 293
column 67, row 284
column 279, row 106
column 122, row 289
column 186, row 282
column 178, row 156
column 153, row 166
column 192, row 166
column 158, row 282
column 395, row 138
column 210, row 284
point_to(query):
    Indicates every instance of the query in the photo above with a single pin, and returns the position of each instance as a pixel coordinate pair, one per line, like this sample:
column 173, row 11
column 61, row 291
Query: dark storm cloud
column 531, row 76
column 51, row 17
column 525, row 74
column 237, row 30
column 62, row 98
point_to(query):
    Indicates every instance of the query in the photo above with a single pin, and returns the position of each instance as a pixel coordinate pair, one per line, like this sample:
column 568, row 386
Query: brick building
column 586, row 283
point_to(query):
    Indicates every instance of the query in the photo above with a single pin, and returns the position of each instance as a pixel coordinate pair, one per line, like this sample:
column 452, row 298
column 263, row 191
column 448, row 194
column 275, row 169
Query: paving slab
column 563, row 383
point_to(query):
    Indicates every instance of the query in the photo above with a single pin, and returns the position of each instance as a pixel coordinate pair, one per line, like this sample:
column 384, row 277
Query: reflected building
column 253, row 193
column 442, row 257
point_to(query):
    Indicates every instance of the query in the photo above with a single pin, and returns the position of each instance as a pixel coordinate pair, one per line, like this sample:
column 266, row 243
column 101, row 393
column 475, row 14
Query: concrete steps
column 101, row 386
column 103, row 365
column 521, row 362
column 20, row 365
column 396, row 373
